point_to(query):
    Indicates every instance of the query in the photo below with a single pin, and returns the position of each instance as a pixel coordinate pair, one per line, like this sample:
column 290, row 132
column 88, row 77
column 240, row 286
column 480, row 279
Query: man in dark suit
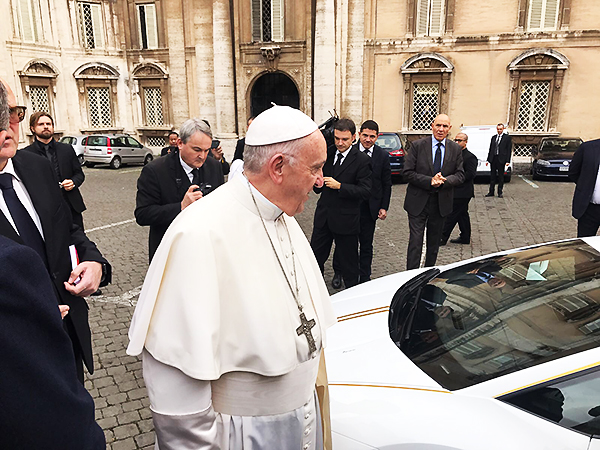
column 377, row 205
column 583, row 171
column 463, row 193
column 63, row 159
column 168, row 185
column 42, row 405
column 432, row 168
column 347, row 183
column 35, row 214
column 498, row 156
column 172, row 148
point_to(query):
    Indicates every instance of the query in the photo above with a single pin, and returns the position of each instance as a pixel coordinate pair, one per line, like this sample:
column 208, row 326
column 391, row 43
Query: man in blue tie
column 432, row 168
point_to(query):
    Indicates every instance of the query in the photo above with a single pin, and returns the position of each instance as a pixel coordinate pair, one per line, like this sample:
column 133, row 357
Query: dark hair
column 371, row 125
column 173, row 132
column 345, row 125
column 500, row 125
column 33, row 120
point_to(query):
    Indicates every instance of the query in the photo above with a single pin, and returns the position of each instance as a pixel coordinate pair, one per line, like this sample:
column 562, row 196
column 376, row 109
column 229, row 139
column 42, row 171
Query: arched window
column 151, row 87
column 38, row 79
column 97, row 85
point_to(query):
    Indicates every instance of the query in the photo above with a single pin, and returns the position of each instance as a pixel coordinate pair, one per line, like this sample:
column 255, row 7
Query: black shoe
column 443, row 242
column 460, row 241
column 337, row 281
column 489, row 194
column 500, row 195
column 98, row 292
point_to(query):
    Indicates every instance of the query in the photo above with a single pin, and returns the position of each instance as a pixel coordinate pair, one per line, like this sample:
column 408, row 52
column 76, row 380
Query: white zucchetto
column 279, row 124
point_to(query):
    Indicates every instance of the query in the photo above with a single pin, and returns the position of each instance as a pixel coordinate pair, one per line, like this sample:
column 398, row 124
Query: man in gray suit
column 432, row 168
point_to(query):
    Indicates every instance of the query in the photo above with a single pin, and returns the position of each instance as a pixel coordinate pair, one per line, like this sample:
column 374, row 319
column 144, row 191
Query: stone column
column 352, row 99
column 324, row 66
column 223, row 74
column 205, row 69
column 175, row 34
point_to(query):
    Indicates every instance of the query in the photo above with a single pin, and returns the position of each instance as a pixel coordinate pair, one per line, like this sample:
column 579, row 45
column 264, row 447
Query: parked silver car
column 77, row 143
column 114, row 149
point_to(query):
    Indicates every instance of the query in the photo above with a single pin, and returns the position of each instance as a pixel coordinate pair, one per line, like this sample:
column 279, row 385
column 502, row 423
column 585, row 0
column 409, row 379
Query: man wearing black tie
column 347, row 183
column 498, row 156
column 432, row 168
column 168, row 185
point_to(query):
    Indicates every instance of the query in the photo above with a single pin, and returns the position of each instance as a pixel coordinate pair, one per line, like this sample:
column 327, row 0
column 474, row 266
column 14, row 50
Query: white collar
column 268, row 210
column 10, row 168
column 187, row 168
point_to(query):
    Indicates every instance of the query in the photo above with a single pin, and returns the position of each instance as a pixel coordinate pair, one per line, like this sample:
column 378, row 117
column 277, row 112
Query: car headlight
column 543, row 162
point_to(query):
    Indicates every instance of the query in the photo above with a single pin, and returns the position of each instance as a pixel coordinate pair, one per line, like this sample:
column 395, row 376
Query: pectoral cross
column 305, row 329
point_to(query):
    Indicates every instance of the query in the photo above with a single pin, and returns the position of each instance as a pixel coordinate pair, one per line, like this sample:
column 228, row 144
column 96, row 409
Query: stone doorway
column 273, row 87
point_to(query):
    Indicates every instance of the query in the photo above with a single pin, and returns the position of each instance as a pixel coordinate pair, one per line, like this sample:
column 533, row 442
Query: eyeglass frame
column 18, row 112
column 459, row 140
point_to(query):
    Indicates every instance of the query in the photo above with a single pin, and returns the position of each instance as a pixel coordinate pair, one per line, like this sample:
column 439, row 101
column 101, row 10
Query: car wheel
column 535, row 176
column 147, row 159
column 115, row 163
column 90, row 164
column 507, row 178
column 81, row 160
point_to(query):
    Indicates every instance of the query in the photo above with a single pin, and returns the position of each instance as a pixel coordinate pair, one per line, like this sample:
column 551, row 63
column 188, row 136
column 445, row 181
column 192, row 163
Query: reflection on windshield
column 502, row 314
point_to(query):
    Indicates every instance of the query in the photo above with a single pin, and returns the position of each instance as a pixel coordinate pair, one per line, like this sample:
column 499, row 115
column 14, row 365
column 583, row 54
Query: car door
column 594, row 444
column 137, row 151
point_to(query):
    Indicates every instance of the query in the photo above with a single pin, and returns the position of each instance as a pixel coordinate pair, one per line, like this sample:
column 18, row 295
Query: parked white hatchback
column 497, row 352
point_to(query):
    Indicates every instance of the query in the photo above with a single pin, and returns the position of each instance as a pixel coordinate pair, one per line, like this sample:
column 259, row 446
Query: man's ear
column 275, row 167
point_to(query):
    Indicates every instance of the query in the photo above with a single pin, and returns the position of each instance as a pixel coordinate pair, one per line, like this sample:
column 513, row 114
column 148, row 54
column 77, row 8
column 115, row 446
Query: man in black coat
column 168, row 185
column 63, row 159
column 498, row 156
column 377, row 205
column 33, row 180
column 347, row 183
column 463, row 193
column 433, row 167
column 172, row 148
column 583, row 171
column 42, row 405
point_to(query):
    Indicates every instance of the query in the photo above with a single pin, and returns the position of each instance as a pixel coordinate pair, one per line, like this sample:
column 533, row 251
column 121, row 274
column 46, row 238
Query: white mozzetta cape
column 215, row 299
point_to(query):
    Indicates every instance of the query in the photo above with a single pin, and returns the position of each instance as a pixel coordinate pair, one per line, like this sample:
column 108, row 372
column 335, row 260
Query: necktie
column 498, row 143
column 437, row 162
column 196, row 177
column 23, row 221
column 368, row 153
column 51, row 155
column 338, row 161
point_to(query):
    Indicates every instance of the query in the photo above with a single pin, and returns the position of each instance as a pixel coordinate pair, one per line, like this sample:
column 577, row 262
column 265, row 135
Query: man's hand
column 217, row 153
column 89, row 274
column 382, row 214
column 332, row 183
column 64, row 310
column 67, row 184
column 190, row 196
column 437, row 180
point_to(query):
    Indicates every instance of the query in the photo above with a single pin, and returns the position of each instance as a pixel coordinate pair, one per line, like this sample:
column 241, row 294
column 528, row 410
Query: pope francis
column 232, row 317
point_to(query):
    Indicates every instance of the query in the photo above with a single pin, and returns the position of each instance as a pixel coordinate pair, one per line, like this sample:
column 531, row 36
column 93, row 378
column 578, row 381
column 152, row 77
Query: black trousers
column 346, row 246
column 431, row 219
column 496, row 175
column 460, row 216
column 588, row 224
column 365, row 241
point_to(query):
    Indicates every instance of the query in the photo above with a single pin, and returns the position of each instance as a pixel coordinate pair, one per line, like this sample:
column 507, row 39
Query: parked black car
column 396, row 144
column 553, row 157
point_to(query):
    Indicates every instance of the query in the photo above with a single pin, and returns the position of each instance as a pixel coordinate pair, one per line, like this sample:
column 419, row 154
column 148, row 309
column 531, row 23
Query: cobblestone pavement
column 529, row 213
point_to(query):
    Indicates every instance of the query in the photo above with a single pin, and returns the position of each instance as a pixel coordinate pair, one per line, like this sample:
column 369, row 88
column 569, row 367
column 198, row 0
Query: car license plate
column 563, row 169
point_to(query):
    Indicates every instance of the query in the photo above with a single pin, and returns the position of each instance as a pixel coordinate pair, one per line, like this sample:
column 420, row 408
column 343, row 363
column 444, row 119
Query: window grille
column 543, row 14
column 533, row 105
column 148, row 27
column 153, row 106
column 156, row 141
column 425, row 105
column 430, row 18
column 39, row 98
column 267, row 20
column 27, row 20
column 99, row 106
column 524, row 149
column 91, row 25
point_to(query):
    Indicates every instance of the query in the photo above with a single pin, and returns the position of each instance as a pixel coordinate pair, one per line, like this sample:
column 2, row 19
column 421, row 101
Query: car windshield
column 560, row 145
column 389, row 142
column 502, row 314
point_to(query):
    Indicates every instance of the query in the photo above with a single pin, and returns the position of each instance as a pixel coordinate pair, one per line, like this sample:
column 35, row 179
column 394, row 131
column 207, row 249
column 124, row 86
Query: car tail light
column 108, row 149
column 399, row 152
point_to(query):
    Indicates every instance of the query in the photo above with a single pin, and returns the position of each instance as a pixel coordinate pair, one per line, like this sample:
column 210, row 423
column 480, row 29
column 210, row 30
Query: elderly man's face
column 195, row 150
column 303, row 173
column 9, row 147
column 441, row 127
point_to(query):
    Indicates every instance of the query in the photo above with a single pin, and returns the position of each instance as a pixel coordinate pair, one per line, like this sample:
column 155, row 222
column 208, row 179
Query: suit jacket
column 381, row 181
column 418, row 172
column 69, row 168
column 239, row 149
column 504, row 148
column 160, row 190
column 42, row 405
column 340, row 208
column 466, row 189
column 60, row 232
column 583, row 171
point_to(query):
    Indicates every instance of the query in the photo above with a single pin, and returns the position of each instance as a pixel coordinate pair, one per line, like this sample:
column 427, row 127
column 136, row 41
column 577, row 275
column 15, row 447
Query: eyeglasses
column 17, row 114
column 459, row 140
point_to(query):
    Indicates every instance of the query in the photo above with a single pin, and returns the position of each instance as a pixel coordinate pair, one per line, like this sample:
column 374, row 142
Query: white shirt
column 343, row 156
column 188, row 169
column 368, row 152
column 596, row 194
column 23, row 196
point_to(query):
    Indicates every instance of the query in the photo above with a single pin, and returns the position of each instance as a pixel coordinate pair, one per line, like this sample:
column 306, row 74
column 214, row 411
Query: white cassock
column 217, row 324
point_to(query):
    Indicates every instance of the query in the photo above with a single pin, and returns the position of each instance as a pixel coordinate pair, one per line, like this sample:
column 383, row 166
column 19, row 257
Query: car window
column 572, row 402
column 97, row 140
column 66, row 140
column 118, row 142
column 389, row 142
column 560, row 145
column 133, row 143
column 501, row 314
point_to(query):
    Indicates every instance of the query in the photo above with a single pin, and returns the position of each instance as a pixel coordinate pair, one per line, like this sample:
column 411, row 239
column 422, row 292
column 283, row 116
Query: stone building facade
column 143, row 67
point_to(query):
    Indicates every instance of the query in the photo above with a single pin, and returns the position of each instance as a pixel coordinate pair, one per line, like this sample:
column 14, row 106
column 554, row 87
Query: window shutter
column 28, row 27
column 422, row 17
column 551, row 14
column 256, row 21
column 535, row 14
column 97, row 25
column 277, row 20
column 151, row 28
column 437, row 18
